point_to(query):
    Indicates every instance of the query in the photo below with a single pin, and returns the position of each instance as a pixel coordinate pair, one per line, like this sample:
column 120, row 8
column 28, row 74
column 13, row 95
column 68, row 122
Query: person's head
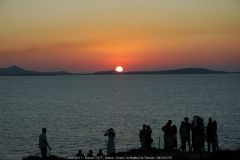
column 210, row 120
column 100, row 151
column 79, row 151
column 169, row 122
column 148, row 127
column 90, row 151
column 44, row 130
column 111, row 130
column 214, row 122
column 186, row 119
column 144, row 126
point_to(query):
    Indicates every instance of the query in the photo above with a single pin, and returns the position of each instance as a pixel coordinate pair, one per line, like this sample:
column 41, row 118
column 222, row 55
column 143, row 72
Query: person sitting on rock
column 100, row 154
column 79, row 154
column 90, row 153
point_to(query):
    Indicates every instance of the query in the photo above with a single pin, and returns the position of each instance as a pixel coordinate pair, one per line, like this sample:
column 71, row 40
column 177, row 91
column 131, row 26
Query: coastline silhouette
column 19, row 71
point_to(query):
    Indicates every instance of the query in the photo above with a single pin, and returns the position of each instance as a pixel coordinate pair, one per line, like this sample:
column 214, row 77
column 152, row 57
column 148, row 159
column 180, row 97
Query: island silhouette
column 19, row 71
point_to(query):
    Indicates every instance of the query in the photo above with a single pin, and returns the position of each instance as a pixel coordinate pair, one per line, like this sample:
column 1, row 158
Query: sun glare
column 119, row 69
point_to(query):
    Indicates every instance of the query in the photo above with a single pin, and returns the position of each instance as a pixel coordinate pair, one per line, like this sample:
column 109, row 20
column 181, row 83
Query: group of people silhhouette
column 170, row 136
column 80, row 155
column 199, row 133
column 192, row 134
column 145, row 137
column 110, row 146
column 43, row 145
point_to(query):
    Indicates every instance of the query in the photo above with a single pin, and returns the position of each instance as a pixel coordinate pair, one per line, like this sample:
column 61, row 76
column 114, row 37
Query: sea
column 78, row 109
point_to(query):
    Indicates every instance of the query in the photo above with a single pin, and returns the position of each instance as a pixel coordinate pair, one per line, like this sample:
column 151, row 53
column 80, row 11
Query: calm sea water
column 77, row 110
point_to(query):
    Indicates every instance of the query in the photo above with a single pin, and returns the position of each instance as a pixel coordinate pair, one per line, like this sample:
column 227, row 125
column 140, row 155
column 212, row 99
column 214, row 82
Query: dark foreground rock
column 159, row 155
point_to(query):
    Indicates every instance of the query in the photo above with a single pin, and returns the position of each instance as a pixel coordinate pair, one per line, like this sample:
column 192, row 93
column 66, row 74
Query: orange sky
column 86, row 36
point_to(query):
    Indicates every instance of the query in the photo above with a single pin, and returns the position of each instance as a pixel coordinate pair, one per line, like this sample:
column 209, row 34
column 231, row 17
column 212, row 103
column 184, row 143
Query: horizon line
column 112, row 71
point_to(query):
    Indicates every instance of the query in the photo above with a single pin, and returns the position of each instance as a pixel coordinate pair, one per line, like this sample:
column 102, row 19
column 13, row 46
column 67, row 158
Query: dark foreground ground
column 159, row 155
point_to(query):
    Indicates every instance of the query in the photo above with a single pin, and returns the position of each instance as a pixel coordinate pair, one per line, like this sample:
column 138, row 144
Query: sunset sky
column 93, row 35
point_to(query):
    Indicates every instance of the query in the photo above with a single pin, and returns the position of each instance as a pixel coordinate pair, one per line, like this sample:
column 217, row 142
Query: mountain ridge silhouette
column 15, row 70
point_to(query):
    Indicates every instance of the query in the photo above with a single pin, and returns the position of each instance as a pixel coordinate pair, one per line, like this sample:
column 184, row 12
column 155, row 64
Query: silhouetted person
column 183, row 136
column 174, row 137
column 201, row 131
column 100, row 154
column 110, row 145
column 142, row 136
column 188, row 127
column 202, row 136
column 168, row 140
column 215, row 139
column 194, row 134
column 149, row 139
column 198, row 134
column 43, row 143
column 80, row 155
column 90, row 153
column 210, row 134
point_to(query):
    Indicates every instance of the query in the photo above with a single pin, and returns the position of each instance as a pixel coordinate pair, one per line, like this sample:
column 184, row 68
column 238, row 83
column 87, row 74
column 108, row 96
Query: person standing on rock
column 43, row 143
column 142, row 136
column 168, row 138
column 110, row 145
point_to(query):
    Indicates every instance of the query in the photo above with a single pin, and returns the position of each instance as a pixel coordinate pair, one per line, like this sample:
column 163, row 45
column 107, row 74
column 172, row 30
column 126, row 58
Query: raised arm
column 106, row 133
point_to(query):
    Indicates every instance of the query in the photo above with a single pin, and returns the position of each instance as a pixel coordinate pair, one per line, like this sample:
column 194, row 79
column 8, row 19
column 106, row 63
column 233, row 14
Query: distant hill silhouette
column 181, row 71
column 110, row 72
column 18, row 71
column 176, row 71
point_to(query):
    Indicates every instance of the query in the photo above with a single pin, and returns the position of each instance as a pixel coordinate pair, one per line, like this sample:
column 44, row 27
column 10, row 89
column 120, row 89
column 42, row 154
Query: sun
column 119, row 69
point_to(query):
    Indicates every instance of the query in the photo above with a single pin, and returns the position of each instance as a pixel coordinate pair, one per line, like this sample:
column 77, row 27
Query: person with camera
column 110, row 145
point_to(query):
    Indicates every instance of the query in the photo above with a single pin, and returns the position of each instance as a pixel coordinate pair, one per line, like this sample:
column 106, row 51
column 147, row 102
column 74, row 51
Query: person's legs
column 214, row 147
column 142, row 144
column 184, row 145
column 208, row 146
column 189, row 146
column 44, row 153
column 165, row 143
